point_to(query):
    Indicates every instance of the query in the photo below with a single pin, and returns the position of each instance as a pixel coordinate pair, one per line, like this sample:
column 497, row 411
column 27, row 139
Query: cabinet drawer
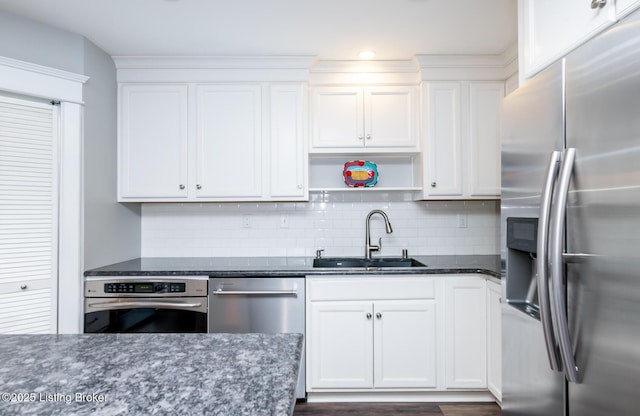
column 370, row 287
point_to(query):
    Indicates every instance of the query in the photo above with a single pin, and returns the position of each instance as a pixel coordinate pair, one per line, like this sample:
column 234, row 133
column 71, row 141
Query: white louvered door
column 28, row 216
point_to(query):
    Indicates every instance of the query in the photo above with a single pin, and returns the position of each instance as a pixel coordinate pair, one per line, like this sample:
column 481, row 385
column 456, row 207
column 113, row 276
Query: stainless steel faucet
column 368, row 247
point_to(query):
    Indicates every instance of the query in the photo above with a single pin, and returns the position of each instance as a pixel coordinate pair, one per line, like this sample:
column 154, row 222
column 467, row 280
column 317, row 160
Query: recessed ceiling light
column 366, row 55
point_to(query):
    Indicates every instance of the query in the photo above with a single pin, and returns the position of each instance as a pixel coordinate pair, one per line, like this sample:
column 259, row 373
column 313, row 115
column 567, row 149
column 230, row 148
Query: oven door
column 145, row 315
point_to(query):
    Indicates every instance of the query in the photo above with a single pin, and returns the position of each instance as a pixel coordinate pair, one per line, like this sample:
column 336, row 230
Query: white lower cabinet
column 371, row 333
column 404, row 347
column 397, row 334
column 494, row 340
column 465, row 332
column 342, row 349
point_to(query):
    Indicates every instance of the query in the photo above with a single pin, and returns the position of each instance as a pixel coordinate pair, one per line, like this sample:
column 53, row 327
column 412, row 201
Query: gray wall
column 111, row 230
column 34, row 42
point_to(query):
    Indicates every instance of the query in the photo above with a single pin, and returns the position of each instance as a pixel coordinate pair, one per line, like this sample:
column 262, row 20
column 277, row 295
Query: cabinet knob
column 368, row 137
column 182, row 186
column 598, row 4
column 360, row 137
column 299, row 186
column 433, row 184
column 379, row 315
column 23, row 286
column 369, row 316
column 198, row 186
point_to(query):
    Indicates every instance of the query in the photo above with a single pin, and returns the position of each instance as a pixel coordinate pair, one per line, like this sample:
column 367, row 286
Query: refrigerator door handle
column 542, row 261
column 558, row 303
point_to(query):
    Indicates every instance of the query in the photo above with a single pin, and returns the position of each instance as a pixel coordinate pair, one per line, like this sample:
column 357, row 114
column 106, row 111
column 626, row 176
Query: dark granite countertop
column 149, row 374
column 287, row 266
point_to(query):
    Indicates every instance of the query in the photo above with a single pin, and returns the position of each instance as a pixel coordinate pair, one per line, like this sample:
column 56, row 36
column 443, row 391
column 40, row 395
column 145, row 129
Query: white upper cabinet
column 483, row 174
column 152, row 143
column 288, row 165
column 229, row 145
column 443, row 139
column 212, row 129
column 461, row 139
column 624, row 7
column 549, row 29
column 364, row 118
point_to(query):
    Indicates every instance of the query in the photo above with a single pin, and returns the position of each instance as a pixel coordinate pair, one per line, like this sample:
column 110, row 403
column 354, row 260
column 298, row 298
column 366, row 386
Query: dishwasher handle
column 288, row 292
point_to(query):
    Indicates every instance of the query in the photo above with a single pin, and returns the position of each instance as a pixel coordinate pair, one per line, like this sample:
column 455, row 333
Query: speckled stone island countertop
column 288, row 266
column 149, row 374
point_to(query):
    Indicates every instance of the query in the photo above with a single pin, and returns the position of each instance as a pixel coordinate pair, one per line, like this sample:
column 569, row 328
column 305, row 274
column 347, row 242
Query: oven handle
column 292, row 292
column 128, row 305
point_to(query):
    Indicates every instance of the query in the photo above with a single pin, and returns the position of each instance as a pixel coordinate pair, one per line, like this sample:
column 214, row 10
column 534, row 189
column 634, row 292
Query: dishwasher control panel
column 146, row 287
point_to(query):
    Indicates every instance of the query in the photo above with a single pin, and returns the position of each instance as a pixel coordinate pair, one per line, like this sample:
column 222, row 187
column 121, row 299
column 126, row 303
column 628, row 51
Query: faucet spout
column 368, row 247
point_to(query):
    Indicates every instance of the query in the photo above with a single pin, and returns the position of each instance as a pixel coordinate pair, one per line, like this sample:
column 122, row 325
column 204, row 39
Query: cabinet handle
column 299, row 186
column 181, row 186
column 360, row 137
column 433, row 184
column 198, row 186
column 598, row 4
column 368, row 137
column 369, row 316
column 379, row 315
column 23, row 286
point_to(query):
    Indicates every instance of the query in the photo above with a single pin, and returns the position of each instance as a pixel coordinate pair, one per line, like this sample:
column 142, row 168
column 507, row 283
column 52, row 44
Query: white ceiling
column 328, row 29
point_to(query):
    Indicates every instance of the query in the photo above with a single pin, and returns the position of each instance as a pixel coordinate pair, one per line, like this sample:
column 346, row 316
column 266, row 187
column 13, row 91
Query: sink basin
column 356, row 262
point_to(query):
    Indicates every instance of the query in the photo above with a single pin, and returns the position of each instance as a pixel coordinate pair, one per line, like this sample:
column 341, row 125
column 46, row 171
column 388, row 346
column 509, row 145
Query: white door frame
column 44, row 82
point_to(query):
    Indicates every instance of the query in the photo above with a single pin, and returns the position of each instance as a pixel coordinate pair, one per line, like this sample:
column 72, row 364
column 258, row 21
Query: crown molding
column 471, row 67
column 40, row 81
column 213, row 68
column 43, row 70
column 214, row 62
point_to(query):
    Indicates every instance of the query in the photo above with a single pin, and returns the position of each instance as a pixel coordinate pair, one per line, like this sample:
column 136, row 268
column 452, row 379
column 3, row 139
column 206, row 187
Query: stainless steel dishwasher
column 259, row 304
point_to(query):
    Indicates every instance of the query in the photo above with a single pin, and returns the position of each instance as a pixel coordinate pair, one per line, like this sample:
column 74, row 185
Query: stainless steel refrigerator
column 571, row 240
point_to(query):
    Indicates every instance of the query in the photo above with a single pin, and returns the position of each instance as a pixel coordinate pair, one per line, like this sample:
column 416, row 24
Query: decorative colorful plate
column 359, row 173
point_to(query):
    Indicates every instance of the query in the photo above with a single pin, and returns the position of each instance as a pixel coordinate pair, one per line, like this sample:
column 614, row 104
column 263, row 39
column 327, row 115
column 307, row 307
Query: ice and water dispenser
column 521, row 282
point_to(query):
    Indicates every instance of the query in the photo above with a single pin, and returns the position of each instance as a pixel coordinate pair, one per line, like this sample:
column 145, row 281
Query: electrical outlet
column 246, row 221
column 462, row 220
column 284, row 221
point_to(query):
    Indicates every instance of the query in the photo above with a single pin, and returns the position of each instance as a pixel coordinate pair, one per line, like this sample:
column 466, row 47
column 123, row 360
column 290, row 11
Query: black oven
column 146, row 304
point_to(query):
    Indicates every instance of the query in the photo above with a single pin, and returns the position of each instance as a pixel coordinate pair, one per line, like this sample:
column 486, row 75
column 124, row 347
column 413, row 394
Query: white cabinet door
column 443, row 148
column 153, row 142
column 341, row 337
column 494, row 341
column 405, row 344
column 390, row 117
column 483, row 175
column 465, row 329
column 549, row 29
column 357, row 118
column 462, row 140
column 338, row 117
column 288, row 153
column 229, row 141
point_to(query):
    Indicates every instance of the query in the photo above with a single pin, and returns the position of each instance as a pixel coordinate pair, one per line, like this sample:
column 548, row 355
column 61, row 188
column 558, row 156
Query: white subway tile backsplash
column 332, row 221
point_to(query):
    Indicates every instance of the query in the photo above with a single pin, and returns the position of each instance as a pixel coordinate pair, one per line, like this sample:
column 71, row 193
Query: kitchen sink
column 356, row 262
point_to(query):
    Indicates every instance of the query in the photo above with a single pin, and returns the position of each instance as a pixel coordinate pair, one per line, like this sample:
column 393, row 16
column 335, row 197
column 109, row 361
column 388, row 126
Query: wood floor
column 391, row 409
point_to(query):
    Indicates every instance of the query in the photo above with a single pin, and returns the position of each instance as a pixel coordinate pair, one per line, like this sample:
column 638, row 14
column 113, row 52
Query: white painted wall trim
column 40, row 81
column 70, row 241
